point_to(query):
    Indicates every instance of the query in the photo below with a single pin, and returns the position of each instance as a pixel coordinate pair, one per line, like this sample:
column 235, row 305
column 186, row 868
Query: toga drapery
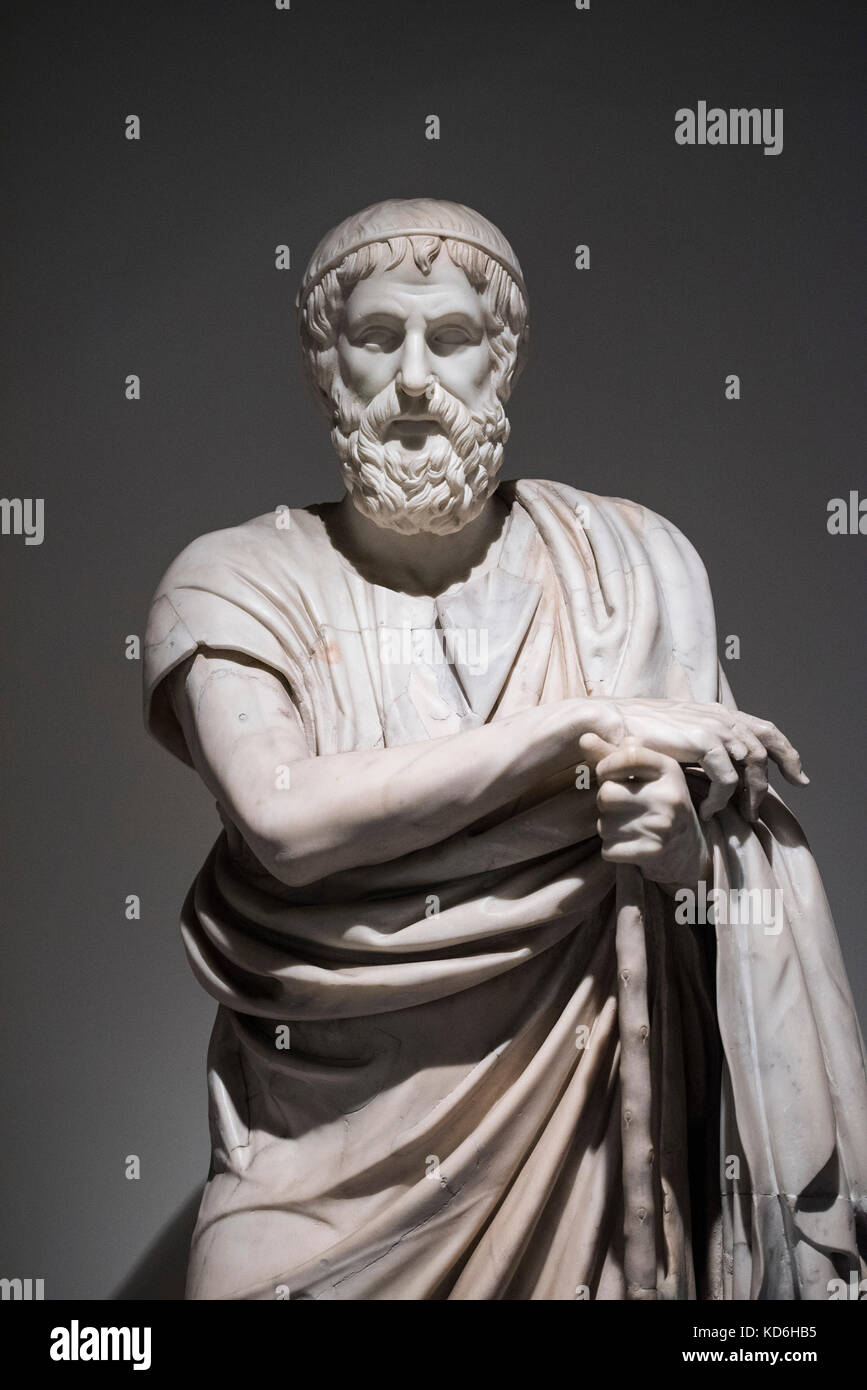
column 413, row 1074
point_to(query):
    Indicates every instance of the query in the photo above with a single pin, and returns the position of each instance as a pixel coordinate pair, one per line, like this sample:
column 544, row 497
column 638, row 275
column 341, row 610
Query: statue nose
column 414, row 373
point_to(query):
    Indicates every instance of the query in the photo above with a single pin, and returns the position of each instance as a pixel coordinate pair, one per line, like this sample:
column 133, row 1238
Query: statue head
column 413, row 320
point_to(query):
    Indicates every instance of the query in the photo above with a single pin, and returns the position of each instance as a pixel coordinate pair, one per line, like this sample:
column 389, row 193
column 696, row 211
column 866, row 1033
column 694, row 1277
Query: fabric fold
column 414, row 1072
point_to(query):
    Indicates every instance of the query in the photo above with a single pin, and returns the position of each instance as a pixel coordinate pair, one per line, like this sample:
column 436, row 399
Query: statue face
column 401, row 323
column 419, row 428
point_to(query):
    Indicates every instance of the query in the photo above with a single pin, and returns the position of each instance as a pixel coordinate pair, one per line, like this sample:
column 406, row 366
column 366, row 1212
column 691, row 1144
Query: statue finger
column 755, row 773
column 779, row 748
column 724, row 780
column 632, row 761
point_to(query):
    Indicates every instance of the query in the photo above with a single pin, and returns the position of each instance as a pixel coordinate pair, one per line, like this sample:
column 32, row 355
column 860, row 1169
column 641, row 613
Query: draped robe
column 414, row 1071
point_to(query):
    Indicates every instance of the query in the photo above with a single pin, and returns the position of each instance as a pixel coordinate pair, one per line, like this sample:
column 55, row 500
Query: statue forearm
column 307, row 817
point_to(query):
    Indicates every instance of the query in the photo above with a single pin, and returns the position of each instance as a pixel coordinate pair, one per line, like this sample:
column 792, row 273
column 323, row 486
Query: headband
column 440, row 232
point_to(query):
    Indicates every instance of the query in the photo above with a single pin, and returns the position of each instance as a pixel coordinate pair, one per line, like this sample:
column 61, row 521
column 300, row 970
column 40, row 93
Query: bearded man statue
column 527, row 983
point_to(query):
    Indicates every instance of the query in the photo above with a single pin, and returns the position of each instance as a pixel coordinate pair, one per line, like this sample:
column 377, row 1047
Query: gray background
column 261, row 127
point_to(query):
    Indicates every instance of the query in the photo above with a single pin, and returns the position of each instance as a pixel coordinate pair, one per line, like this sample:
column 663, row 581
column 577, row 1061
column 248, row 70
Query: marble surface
column 477, row 764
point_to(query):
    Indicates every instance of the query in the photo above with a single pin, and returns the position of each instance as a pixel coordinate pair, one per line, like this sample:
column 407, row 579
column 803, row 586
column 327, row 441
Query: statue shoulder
column 275, row 543
column 593, row 510
column 248, row 589
column 643, row 521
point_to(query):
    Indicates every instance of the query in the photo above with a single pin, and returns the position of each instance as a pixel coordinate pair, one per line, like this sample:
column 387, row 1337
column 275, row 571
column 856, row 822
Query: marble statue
column 527, row 983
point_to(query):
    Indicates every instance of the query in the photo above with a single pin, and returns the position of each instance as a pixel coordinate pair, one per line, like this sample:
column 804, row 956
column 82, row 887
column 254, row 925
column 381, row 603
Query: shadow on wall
column 162, row 1270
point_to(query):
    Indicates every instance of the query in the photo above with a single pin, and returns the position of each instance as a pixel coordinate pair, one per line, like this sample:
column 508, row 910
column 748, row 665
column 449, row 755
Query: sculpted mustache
column 440, row 406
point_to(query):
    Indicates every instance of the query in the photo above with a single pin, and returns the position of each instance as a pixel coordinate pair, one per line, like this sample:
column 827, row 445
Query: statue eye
column 450, row 335
column 378, row 336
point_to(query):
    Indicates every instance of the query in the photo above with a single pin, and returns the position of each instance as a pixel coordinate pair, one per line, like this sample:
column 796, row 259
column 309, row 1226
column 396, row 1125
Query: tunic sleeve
column 230, row 591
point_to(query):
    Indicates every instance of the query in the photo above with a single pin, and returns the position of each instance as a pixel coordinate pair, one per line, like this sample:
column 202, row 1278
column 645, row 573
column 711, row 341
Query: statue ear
column 522, row 352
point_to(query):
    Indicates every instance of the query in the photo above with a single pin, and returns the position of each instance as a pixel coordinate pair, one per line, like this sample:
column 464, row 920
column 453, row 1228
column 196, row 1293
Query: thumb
column 596, row 748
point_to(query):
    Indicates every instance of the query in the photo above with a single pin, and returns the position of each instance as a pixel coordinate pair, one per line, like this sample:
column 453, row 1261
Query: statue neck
column 422, row 563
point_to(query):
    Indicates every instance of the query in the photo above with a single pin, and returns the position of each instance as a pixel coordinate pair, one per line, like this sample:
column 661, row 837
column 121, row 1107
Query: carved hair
column 321, row 310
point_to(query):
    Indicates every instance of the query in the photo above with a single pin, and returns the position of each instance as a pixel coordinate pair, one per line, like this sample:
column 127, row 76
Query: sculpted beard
column 438, row 488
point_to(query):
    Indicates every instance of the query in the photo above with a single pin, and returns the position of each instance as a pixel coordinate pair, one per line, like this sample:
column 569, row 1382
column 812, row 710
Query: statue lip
column 406, row 425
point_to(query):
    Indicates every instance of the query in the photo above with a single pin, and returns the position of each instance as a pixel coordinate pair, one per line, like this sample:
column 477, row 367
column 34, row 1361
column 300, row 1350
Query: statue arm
column 305, row 817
